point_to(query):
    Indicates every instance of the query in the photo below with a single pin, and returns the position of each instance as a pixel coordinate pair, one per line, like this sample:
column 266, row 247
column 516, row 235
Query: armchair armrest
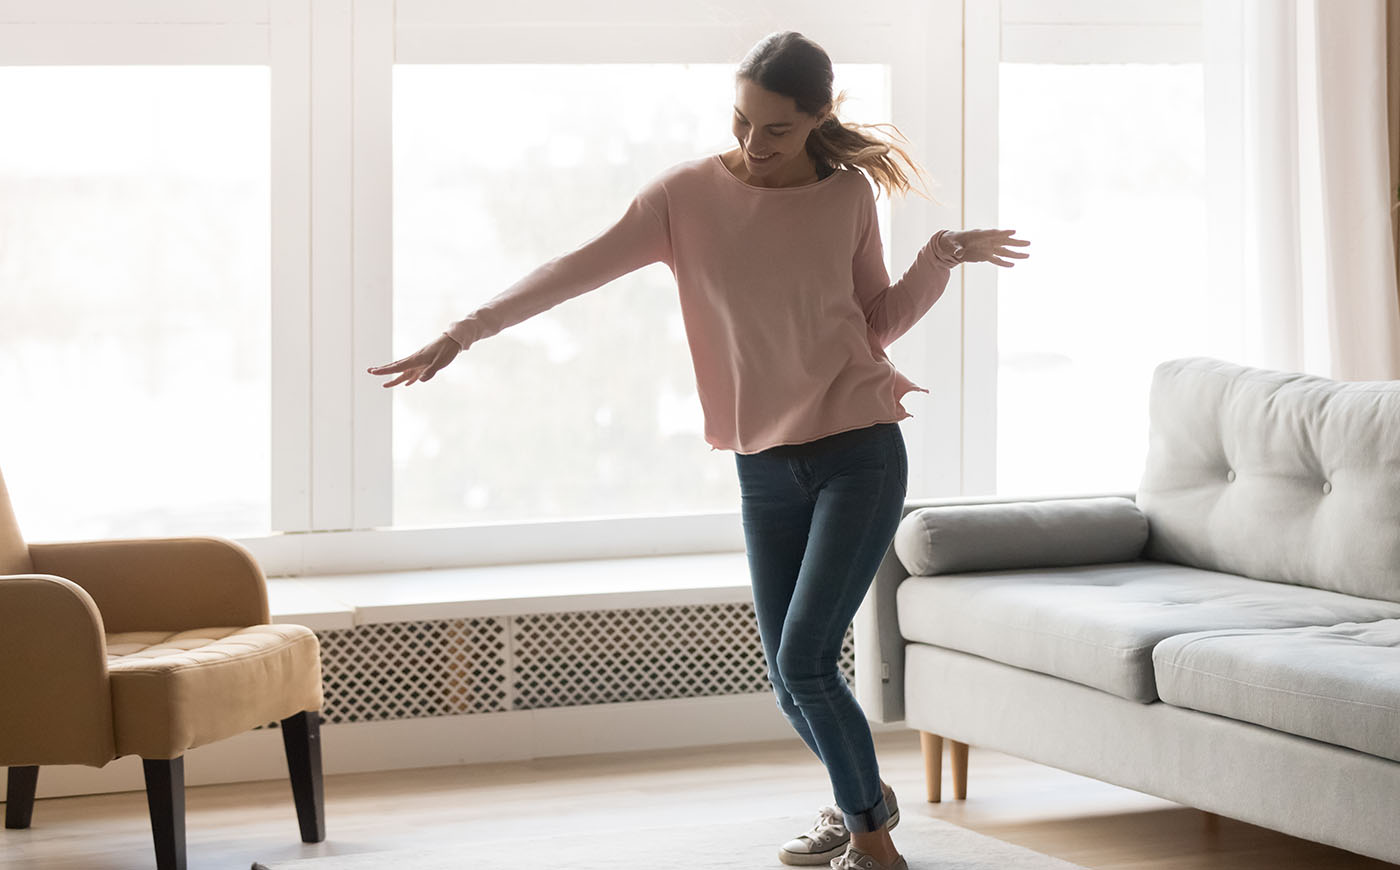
column 55, row 696
column 879, row 647
column 162, row 584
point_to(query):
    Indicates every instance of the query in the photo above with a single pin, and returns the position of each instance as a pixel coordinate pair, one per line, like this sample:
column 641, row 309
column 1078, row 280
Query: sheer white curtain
column 1299, row 177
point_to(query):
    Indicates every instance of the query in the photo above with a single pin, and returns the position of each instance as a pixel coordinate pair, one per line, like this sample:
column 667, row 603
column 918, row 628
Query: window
column 1101, row 164
column 588, row 409
column 218, row 217
column 134, row 297
column 1102, row 169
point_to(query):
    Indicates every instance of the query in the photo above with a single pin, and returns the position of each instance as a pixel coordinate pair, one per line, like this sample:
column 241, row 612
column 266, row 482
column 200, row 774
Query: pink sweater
column 786, row 301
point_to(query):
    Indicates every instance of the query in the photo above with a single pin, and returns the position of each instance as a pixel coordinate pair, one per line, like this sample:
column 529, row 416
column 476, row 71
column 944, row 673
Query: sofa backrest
column 1274, row 475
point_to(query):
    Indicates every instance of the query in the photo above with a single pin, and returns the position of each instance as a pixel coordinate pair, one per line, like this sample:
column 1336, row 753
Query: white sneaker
column 828, row 838
column 854, row 859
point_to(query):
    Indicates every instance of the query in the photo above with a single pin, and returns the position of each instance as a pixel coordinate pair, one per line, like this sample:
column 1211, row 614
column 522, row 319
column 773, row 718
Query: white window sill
column 341, row 601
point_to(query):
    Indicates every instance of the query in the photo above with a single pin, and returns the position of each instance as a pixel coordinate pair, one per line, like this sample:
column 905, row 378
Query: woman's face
column 769, row 125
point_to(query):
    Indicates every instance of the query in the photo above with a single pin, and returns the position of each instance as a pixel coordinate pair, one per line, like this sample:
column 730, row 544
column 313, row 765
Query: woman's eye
column 741, row 122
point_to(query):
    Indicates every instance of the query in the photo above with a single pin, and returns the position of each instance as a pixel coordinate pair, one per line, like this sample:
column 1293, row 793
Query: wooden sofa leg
column 19, row 796
column 932, row 746
column 958, row 752
column 301, row 738
column 165, row 795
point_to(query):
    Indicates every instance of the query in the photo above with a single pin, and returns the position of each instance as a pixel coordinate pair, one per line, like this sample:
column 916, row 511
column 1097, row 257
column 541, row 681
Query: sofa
column 1226, row 637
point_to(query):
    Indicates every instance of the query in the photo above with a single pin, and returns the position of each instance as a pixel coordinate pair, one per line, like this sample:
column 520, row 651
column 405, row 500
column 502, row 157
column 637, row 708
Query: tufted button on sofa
column 1227, row 636
column 147, row 647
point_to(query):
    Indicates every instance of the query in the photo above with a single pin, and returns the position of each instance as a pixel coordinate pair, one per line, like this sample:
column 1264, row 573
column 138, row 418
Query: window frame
column 331, row 66
column 1036, row 31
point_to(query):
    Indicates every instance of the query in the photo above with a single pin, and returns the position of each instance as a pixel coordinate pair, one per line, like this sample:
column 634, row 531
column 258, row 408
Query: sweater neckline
column 719, row 161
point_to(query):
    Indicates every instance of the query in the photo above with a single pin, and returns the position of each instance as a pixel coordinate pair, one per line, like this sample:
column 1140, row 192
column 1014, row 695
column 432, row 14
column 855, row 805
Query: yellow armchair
column 147, row 647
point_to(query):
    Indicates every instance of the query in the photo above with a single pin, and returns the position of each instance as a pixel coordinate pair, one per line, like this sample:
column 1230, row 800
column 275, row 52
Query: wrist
column 950, row 248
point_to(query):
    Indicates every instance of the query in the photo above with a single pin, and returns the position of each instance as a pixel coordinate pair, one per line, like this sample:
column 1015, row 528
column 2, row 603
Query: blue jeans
column 816, row 528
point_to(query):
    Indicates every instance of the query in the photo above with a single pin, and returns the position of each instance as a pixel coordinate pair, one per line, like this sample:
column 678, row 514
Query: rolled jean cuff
column 872, row 819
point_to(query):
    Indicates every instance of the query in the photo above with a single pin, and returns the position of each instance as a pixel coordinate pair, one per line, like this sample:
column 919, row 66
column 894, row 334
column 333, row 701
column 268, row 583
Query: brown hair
column 790, row 64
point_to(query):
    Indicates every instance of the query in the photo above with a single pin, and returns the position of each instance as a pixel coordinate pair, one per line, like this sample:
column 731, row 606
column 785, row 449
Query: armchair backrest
column 1274, row 475
column 14, row 553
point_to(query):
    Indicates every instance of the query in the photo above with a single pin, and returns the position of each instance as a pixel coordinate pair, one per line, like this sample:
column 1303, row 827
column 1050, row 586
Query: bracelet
column 957, row 254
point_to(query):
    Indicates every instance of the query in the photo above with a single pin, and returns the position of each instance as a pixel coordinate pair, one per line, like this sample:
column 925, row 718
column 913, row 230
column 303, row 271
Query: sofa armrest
column 55, row 696
column 162, row 584
column 952, row 539
column 879, row 647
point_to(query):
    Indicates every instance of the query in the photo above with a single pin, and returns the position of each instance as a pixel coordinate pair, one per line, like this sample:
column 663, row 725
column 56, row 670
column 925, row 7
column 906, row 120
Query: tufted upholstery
column 1099, row 624
column 172, row 691
column 1339, row 684
column 1243, row 663
column 104, row 649
column 1274, row 475
column 149, row 647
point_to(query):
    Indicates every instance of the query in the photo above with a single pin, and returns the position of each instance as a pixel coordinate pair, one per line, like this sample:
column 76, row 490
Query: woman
column 775, row 247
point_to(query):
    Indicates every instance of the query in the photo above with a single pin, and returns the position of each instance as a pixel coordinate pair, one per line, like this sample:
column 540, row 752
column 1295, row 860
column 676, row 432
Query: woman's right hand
column 422, row 364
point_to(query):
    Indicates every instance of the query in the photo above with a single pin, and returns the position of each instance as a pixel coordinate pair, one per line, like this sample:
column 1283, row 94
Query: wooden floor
column 1071, row 817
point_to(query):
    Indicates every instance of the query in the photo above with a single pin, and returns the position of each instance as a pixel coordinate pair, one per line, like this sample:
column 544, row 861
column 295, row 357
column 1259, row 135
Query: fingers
column 406, row 376
column 409, row 368
column 991, row 246
column 395, row 366
column 420, row 366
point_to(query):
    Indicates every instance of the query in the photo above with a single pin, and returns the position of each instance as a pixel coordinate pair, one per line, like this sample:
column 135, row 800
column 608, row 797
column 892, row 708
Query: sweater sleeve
column 892, row 309
column 640, row 237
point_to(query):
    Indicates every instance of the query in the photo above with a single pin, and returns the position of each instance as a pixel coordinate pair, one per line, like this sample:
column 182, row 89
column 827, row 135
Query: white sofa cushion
column 1097, row 624
column 1274, row 475
column 1338, row 684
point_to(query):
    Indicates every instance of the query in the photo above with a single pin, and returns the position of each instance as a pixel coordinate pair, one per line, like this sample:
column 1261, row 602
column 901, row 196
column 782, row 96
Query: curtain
column 1303, row 143
column 1392, row 79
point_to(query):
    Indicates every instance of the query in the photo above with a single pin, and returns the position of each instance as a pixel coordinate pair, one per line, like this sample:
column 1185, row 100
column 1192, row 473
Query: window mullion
column 373, row 261
column 332, row 266
column 291, row 266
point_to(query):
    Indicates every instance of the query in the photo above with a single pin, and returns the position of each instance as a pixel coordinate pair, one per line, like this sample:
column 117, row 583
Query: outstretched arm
column 640, row 237
column 892, row 309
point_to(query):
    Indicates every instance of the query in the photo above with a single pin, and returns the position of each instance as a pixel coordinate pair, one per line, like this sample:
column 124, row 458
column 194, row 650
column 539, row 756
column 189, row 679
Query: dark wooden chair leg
column 301, row 737
column 19, row 796
column 165, row 795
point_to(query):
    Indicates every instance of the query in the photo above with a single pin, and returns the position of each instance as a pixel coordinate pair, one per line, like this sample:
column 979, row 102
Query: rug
column 926, row 843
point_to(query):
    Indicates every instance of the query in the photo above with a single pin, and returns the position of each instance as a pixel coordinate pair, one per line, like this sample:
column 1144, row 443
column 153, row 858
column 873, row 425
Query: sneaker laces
column 830, row 817
column 852, row 859
column 844, row 861
column 830, row 820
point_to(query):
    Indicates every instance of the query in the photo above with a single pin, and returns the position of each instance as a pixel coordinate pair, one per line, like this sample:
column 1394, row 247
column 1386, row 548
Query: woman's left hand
column 988, row 246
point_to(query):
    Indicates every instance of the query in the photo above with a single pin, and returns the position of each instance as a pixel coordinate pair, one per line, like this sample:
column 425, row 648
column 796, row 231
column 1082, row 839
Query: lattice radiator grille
column 451, row 667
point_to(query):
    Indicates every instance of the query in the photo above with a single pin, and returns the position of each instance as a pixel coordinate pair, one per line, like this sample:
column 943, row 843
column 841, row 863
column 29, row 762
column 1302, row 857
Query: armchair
column 147, row 647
